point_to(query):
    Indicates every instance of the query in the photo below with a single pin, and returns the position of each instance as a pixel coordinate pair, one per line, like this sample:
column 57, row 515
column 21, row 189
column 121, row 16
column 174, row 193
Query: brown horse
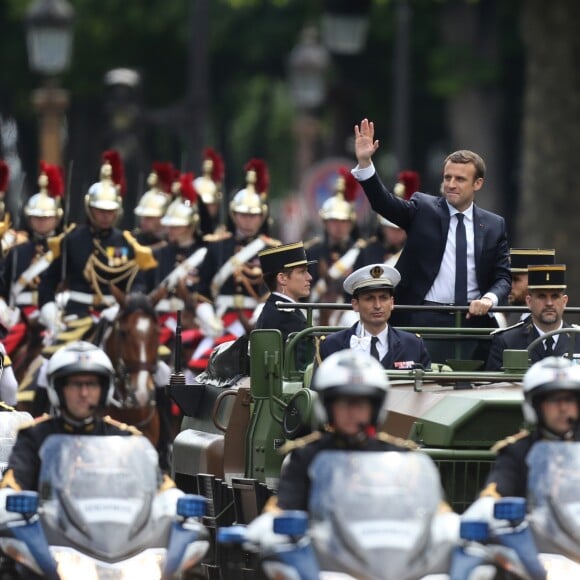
column 132, row 343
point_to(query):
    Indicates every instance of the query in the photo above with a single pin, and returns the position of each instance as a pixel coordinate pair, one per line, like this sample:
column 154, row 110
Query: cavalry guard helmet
column 106, row 193
column 252, row 198
column 78, row 358
column 351, row 373
column 46, row 203
column 182, row 211
column 209, row 184
column 340, row 206
column 154, row 201
column 544, row 377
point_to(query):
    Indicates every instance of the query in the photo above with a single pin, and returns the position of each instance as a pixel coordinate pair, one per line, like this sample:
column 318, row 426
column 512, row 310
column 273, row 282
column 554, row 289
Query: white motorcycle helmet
column 77, row 358
column 350, row 373
column 544, row 377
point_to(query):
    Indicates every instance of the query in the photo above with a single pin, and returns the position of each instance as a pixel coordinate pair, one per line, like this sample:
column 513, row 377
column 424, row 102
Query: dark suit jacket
column 403, row 346
column 286, row 321
column 519, row 338
column 426, row 221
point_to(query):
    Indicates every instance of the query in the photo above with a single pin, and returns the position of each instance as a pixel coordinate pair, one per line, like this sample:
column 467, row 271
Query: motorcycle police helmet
column 547, row 376
column 106, row 193
column 79, row 357
column 252, row 198
column 350, row 373
column 46, row 203
column 182, row 211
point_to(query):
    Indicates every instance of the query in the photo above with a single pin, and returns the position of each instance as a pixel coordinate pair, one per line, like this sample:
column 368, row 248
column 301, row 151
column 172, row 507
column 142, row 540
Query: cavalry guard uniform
column 8, row 236
column 209, row 186
column 153, row 204
column 231, row 286
column 26, row 263
column 91, row 257
column 338, row 251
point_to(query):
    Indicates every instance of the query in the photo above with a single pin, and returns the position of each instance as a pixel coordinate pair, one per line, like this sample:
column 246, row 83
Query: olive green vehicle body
column 234, row 431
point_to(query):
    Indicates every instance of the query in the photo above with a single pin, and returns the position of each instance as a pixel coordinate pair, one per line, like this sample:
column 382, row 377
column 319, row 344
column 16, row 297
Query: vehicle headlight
column 559, row 567
column 72, row 565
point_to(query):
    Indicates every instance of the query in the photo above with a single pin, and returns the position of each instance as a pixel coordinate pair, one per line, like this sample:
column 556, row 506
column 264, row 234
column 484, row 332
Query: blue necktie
column 460, row 262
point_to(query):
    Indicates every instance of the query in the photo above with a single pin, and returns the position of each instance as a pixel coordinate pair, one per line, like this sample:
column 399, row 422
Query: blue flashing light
column 191, row 506
column 291, row 523
column 474, row 530
column 23, row 502
column 231, row 535
column 510, row 508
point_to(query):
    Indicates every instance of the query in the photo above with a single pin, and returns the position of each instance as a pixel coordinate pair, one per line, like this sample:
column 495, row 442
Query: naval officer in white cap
column 371, row 288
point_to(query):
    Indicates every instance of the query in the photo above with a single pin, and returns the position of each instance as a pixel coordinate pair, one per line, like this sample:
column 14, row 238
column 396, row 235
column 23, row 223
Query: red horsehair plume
column 351, row 186
column 217, row 171
column 165, row 175
column 262, row 175
column 118, row 176
column 4, row 176
column 54, row 175
column 187, row 191
column 409, row 183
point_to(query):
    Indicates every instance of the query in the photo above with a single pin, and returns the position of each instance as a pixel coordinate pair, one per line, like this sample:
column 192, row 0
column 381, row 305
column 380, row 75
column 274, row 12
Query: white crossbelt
column 170, row 304
column 225, row 302
column 87, row 298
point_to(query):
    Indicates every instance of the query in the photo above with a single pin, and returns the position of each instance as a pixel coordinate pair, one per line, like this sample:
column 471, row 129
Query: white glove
column 260, row 531
column 51, row 318
column 8, row 316
column 110, row 313
column 209, row 323
column 162, row 375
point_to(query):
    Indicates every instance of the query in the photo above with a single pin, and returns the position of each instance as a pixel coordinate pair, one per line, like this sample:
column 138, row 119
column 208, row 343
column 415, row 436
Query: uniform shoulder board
column 5, row 407
column 500, row 330
column 398, row 441
column 217, row 236
column 36, row 421
column 300, row 442
column 143, row 254
column 122, row 426
column 510, row 440
column 54, row 242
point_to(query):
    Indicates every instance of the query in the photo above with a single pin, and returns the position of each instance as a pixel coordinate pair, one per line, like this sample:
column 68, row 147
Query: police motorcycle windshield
column 554, row 502
column 97, row 495
column 371, row 512
column 9, row 425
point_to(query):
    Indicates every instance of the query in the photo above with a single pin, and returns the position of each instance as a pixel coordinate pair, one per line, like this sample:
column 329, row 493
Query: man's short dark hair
column 466, row 156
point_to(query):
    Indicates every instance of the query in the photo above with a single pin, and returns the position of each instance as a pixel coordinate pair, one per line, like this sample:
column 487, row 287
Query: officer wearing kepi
column 93, row 256
column 547, row 301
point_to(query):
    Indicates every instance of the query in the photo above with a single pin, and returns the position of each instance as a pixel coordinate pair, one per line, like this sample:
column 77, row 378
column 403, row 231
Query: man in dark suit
column 432, row 265
column 372, row 288
column 287, row 277
column 547, row 301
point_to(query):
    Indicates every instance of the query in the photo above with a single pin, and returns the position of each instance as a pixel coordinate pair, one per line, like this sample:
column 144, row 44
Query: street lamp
column 49, row 31
column 345, row 25
column 307, row 67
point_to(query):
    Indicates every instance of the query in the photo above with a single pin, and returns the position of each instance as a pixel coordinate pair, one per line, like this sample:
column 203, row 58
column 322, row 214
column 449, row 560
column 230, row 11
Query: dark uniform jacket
column 519, row 337
column 403, row 346
column 18, row 259
column 24, row 464
column 148, row 239
column 286, row 321
column 111, row 250
column 426, row 219
column 376, row 252
column 294, row 486
column 509, row 475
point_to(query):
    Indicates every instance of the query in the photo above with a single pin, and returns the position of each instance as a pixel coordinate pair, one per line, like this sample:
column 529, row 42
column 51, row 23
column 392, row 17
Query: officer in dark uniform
column 287, row 277
column 92, row 256
column 551, row 405
column 26, row 263
column 81, row 380
column 520, row 259
column 153, row 204
column 352, row 393
column 231, row 286
column 547, row 301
